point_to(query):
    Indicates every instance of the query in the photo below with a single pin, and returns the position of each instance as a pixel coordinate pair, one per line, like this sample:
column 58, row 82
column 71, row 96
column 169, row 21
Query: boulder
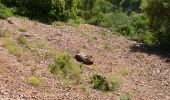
column 27, row 34
column 86, row 59
column 9, row 21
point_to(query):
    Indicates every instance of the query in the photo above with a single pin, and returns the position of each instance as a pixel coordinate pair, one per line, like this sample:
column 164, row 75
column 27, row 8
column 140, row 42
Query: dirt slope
column 148, row 75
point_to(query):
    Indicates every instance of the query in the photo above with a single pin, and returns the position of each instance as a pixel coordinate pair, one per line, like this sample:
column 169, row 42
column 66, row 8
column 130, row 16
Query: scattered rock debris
column 14, row 72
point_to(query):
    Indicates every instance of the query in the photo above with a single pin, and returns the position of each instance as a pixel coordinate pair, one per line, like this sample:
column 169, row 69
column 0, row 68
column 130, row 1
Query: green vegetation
column 65, row 69
column 12, row 46
column 141, row 72
column 52, row 53
column 107, row 47
column 124, row 71
column 22, row 28
column 85, row 88
column 5, row 33
column 105, row 35
column 33, row 69
column 101, row 83
column 125, row 96
column 82, row 66
column 138, row 19
column 58, row 23
column 76, row 22
column 41, row 43
column 159, row 16
column 4, row 11
column 22, row 39
column 34, row 81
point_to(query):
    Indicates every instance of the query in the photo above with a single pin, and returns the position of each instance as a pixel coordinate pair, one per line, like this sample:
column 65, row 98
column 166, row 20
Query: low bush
column 58, row 23
column 141, row 72
column 5, row 33
column 124, row 71
column 34, row 81
column 136, row 26
column 64, row 68
column 104, row 20
column 41, row 43
column 12, row 46
column 22, row 28
column 125, row 96
column 4, row 12
column 76, row 21
column 101, row 83
column 22, row 40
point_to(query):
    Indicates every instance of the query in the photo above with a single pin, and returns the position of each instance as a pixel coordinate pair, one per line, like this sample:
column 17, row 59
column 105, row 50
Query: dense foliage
column 144, row 20
column 4, row 11
column 158, row 12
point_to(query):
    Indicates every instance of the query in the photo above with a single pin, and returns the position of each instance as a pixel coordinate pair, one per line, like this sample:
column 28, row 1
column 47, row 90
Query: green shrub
column 135, row 26
column 102, row 19
column 85, row 88
column 101, row 83
column 159, row 18
column 34, row 81
column 4, row 12
column 124, row 71
column 75, row 22
column 52, row 53
column 148, row 38
column 91, row 9
column 22, row 28
column 107, row 47
column 64, row 68
column 15, row 50
column 105, row 35
column 58, row 23
column 45, row 9
column 125, row 96
column 124, row 23
column 5, row 33
column 22, row 39
column 12, row 46
column 141, row 72
column 41, row 43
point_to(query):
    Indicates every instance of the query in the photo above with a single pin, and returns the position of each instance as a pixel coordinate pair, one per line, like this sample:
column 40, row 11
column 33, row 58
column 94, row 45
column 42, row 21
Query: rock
column 27, row 34
column 85, row 46
column 86, row 59
column 167, row 60
column 9, row 21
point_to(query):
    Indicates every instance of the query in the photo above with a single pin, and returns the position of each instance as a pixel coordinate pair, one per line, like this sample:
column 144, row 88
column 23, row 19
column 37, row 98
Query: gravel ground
column 148, row 76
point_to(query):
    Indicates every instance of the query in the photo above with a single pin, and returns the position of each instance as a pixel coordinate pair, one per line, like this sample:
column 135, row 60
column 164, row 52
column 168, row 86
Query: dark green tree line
column 158, row 12
column 149, row 18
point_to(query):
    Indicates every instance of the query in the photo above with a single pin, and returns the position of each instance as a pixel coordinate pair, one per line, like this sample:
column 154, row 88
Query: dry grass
column 141, row 72
column 34, row 81
column 107, row 47
column 63, row 67
column 22, row 28
column 5, row 33
column 124, row 71
column 58, row 23
column 12, row 46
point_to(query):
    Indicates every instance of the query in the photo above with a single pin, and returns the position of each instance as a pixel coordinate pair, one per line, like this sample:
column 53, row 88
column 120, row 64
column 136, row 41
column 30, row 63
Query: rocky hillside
column 141, row 75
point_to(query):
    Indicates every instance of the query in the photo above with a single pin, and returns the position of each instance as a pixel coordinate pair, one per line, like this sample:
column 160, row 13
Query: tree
column 127, row 6
column 158, row 12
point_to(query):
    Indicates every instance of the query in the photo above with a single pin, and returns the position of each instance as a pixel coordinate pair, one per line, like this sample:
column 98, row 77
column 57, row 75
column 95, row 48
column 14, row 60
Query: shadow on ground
column 151, row 51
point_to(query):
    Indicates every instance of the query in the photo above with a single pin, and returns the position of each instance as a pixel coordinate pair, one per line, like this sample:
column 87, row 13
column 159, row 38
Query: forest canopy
column 147, row 21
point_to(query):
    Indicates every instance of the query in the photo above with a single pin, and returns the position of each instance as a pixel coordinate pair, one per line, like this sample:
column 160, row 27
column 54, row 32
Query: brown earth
column 111, row 53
